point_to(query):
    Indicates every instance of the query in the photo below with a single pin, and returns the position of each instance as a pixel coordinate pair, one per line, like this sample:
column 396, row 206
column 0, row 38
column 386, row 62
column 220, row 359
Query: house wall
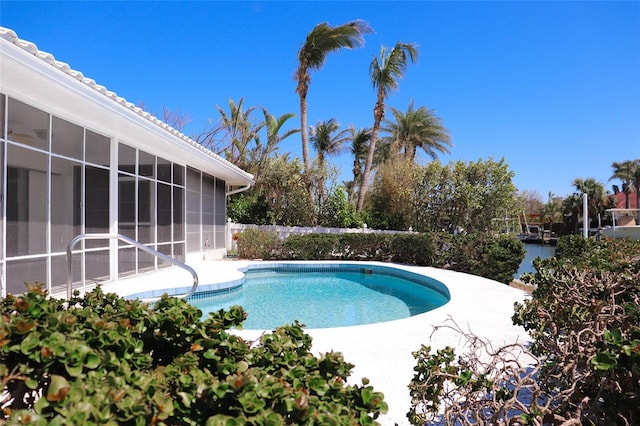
column 61, row 179
column 76, row 158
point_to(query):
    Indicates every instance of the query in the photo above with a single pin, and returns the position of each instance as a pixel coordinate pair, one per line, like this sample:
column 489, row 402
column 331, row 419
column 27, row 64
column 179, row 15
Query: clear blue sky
column 553, row 87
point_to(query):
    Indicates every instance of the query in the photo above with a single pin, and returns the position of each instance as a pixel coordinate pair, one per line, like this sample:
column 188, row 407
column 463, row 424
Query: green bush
column 584, row 317
column 414, row 249
column 369, row 246
column 257, row 244
column 500, row 258
column 310, row 247
column 582, row 366
column 100, row 359
column 494, row 257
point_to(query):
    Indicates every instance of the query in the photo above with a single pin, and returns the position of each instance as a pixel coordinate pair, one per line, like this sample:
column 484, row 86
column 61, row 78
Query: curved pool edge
column 420, row 293
column 221, row 281
column 382, row 352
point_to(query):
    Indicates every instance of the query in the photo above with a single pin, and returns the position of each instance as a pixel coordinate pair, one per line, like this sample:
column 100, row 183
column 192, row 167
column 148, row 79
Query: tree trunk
column 305, row 154
column 378, row 115
column 303, row 133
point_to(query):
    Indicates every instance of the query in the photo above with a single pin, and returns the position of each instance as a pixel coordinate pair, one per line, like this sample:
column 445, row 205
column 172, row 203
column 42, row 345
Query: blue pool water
column 328, row 298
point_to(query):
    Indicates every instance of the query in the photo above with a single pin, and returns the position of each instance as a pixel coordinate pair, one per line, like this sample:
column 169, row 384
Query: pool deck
column 383, row 352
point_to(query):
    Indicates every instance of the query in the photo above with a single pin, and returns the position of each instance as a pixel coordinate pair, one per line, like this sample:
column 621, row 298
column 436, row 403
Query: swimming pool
column 326, row 296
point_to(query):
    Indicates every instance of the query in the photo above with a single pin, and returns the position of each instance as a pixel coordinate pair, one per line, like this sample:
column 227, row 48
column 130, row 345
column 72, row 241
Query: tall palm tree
column 322, row 40
column 326, row 142
column 625, row 171
column 417, row 128
column 359, row 147
column 385, row 74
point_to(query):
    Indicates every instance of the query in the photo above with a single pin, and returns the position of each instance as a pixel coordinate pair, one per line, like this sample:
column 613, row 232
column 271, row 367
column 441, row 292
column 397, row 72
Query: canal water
column 532, row 251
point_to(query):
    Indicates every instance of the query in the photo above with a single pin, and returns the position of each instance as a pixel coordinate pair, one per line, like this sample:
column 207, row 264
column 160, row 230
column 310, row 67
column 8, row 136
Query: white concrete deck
column 383, row 352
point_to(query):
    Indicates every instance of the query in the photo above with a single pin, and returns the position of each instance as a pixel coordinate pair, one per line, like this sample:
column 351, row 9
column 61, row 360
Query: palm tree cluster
column 385, row 73
column 243, row 140
column 251, row 143
column 321, row 41
column 392, row 141
column 629, row 173
column 570, row 209
column 599, row 200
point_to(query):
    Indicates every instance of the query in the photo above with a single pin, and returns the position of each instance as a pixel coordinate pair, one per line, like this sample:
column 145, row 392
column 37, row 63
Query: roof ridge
column 30, row 47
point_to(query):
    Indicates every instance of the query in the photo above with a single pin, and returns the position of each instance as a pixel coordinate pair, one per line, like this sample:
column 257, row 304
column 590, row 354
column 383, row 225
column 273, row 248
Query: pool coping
column 235, row 283
column 382, row 352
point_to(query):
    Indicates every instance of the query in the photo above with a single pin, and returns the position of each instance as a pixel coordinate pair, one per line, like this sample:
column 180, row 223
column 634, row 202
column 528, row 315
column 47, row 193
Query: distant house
column 76, row 159
column 620, row 197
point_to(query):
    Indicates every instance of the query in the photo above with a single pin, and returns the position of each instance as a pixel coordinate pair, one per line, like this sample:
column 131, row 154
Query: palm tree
column 385, row 74
column 260, row 154
column 239, row 132
column 359, row 146
column 322, row 40
column 636, row 181
column 417, row 128
column 323, row 140
column 596, row 195
column 552, row 211
column 625, row 171
column 326, row 143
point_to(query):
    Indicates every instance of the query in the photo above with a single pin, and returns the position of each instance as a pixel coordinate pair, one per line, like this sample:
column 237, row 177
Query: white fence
column 285, row 231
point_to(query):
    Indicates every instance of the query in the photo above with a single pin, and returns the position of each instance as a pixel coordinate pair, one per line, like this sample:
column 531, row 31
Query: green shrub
column 584, row 317
column 494, row 257
column 610, row 254
column 369, row 246
column 497, row 258
column 582, row 366
column 414, row 249
column 257, row 244
column 500, row 257
column 100, row 359
column 310, row 247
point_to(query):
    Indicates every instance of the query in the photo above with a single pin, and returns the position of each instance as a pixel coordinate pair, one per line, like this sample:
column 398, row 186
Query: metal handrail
column 135, row 243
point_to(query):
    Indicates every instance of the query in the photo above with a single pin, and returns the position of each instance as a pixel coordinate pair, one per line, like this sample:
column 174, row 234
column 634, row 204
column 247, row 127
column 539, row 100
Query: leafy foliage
column 492, row 257
column 257, row 244
column 495, row 257
column 583, row 365
column 280, row 196
column 479, row 387
column 584, row 318
column 464, row 195
column 437, row 197
column 392, row 198
column 337, row 212
column 100, row 359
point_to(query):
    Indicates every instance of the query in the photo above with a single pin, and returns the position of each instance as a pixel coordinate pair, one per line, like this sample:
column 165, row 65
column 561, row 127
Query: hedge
column 494, row 257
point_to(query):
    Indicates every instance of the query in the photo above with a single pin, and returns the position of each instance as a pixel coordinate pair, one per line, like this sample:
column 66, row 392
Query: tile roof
column 31, row 48
column 621, row 200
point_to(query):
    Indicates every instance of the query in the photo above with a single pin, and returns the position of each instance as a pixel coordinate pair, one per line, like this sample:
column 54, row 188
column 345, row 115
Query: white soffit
column 223, row 168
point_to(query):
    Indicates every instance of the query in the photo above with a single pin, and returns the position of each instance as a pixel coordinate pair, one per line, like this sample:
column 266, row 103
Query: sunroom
column 79, row 160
